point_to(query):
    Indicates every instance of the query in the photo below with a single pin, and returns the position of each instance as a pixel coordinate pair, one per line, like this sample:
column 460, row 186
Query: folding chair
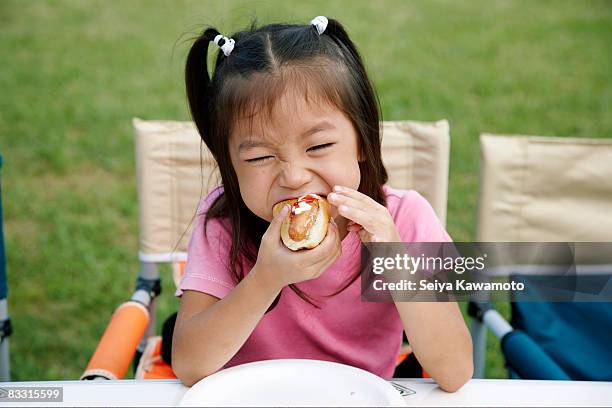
column 171, row 183
column 547, row 189
column 5, row 322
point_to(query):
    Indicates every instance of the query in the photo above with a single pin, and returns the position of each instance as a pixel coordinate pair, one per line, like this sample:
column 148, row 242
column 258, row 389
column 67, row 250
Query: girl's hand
column 279, row 266
column 372, row 220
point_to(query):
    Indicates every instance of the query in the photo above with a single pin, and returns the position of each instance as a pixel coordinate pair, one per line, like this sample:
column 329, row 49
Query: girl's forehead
column 292, row 113
column 270, row 102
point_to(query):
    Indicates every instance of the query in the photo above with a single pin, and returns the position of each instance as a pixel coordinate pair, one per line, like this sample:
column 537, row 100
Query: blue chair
column 547, row 189
column 578, row 335
column 553, row 340
column 5, row 322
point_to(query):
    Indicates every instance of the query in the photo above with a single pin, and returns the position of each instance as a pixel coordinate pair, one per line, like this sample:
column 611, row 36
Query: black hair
column 264, row 62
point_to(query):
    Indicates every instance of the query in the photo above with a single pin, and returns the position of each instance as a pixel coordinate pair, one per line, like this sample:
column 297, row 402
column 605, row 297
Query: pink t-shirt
column 346, row 329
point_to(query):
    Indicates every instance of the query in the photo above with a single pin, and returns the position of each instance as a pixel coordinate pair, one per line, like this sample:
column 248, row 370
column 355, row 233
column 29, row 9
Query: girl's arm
column 440, row 339
column 209, row 331
column 436, row 330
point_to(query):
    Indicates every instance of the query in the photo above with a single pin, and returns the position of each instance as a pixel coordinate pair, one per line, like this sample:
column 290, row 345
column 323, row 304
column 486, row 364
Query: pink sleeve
column 207, row 256
column 415, row 219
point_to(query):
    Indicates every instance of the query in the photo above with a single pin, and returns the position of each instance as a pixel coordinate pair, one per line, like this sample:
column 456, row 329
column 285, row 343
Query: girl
column 290, row 110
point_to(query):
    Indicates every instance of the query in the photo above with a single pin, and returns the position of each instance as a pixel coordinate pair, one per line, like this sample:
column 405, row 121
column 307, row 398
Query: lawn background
column 74, row 73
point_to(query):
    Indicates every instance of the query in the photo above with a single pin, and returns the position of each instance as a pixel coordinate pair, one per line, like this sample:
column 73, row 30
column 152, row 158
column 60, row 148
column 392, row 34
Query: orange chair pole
column 117, row 346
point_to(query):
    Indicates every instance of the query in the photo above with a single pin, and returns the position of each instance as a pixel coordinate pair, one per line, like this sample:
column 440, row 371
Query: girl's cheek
column 260, row 183
column 347, row 174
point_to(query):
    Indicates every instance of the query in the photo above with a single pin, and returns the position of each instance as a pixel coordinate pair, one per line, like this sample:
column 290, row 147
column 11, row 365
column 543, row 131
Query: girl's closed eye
column 259, row 159
column 310, row 149
column 321, row 146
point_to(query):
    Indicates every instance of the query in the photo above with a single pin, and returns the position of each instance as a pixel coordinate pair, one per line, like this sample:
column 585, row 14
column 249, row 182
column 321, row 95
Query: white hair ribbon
column 226, row 44
column 320, row 22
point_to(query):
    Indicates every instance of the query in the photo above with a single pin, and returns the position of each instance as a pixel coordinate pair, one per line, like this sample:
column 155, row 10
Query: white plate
column 292, row 383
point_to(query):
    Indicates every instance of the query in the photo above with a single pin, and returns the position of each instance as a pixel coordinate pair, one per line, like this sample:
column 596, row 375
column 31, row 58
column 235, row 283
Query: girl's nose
column 293, row 176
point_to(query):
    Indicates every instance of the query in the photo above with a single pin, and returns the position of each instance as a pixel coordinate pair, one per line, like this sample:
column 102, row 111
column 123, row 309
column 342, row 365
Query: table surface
column 476, row 392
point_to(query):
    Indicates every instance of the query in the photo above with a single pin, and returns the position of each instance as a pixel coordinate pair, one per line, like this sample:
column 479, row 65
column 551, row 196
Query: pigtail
column 200, row 96
column 340, row 36
column 198, row 83
column 376, row 175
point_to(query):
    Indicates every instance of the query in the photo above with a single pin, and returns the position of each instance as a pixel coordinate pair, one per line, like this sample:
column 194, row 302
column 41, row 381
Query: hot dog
column 306, row 224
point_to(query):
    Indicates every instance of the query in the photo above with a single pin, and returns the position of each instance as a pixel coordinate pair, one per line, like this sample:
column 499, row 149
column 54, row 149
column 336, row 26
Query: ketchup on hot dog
column 303, row 216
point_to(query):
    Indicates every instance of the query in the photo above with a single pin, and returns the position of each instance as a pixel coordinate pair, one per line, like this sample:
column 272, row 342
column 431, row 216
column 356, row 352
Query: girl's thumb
column 278, row 220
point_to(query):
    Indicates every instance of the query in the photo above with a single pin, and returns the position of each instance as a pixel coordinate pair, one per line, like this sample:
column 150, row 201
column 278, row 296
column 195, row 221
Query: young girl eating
column 289, row 110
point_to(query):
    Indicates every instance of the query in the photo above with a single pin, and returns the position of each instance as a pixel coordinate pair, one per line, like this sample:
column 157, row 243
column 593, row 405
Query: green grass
column 73, row 74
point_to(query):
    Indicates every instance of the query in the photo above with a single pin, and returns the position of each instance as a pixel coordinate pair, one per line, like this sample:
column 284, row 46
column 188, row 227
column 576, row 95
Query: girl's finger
column 358, row 216
column 353, row 223
column 349, row 192
column 354, row 228
column 277, row 221
column 366, row 236
column 340, row 199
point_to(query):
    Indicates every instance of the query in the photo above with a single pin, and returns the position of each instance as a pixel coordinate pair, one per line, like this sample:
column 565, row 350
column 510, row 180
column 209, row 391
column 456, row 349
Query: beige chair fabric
column 546, row 189
column 171, row 183
column 416, row 155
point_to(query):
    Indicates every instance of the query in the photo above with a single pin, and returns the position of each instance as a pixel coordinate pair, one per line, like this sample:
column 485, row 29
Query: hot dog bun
column 305, row 226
